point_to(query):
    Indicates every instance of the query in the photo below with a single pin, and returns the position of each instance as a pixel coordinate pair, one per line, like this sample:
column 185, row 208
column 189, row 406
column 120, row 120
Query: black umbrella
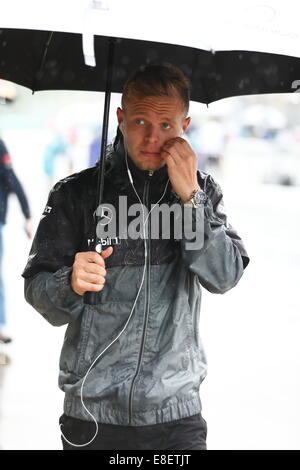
column 55, row 60
column 47, row 60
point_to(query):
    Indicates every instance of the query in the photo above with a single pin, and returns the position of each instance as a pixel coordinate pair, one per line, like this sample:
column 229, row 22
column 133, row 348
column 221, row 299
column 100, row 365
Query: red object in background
column 6, row 159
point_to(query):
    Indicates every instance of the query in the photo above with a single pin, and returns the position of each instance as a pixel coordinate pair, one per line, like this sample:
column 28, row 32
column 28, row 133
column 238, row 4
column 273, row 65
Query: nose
column 152, row 134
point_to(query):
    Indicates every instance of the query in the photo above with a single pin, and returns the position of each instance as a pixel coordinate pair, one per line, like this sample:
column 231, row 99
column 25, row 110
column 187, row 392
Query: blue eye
column 139, row 121
column 165, row 125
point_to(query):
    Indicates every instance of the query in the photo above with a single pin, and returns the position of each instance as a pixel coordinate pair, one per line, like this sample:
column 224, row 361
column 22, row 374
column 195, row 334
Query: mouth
column 150, row 154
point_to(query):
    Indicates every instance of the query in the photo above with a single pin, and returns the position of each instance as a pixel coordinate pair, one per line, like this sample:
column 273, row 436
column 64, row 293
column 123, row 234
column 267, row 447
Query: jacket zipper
column 147, row 284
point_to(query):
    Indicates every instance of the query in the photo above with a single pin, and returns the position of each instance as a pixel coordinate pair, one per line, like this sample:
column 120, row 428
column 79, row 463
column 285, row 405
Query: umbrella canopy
column 225, row 50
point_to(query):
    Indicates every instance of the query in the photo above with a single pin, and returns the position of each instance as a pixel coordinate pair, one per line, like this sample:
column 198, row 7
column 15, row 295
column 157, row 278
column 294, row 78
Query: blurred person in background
column 94, row 150
column 61, row 146
column 9, row 183
column 192, row 135
column 53, row 148
column 212, row 141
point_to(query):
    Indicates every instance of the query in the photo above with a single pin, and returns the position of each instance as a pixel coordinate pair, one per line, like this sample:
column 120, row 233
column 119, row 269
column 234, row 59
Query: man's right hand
column 88, row 272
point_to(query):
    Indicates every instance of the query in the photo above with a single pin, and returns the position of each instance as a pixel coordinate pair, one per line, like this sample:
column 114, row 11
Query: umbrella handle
column 93, row 298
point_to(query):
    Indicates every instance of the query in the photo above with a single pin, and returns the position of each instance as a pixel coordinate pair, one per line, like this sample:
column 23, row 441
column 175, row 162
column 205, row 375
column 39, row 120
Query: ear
column 120, row 117
column 186, row 124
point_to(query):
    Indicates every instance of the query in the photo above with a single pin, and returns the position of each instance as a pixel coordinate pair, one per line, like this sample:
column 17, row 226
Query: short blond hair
column 158, row 80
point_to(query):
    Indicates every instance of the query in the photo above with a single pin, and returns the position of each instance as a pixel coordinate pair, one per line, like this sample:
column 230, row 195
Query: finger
column 83, row 286
column 182, row 145
column 92, row 278
column 94, row 268
column 106, row 253
column 167, row 157
column 172, row 152
column 88, row 257
column 175, row 148
column 174, row 140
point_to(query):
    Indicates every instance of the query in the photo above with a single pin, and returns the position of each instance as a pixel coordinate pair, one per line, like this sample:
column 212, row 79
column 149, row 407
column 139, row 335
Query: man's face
column 147, row 124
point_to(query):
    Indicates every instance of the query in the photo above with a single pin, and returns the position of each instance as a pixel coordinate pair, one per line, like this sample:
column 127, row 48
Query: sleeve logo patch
column 47, row 210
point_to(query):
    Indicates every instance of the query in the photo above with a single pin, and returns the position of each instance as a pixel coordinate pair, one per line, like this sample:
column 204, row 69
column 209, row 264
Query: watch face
column 200, row 197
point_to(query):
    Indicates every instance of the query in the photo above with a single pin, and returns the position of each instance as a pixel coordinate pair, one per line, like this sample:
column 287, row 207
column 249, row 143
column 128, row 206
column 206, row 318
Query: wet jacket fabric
column 9, row 183
column 152, row 373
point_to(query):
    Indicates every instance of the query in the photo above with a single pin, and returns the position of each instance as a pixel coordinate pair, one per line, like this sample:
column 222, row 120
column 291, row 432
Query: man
column 9, row 183
column 132, row 364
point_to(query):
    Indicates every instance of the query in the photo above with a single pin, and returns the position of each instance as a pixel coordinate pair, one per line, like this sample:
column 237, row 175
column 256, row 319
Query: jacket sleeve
column 216, row 254
column 47, row 273
column 10, row 180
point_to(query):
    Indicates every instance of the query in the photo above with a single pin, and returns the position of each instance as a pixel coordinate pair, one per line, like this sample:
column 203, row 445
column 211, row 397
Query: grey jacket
column 152, row 372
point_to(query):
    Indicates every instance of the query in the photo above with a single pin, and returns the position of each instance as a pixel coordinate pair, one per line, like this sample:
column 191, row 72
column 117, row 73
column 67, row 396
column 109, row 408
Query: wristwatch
column 198, row 197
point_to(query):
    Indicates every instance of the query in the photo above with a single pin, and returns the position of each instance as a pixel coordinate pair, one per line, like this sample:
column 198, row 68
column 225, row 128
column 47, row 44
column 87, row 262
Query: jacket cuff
column 63, row 286
column 198, row 225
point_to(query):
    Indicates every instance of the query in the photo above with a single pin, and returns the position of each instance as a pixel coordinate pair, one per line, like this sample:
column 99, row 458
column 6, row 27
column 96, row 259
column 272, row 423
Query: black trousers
column 183, row 434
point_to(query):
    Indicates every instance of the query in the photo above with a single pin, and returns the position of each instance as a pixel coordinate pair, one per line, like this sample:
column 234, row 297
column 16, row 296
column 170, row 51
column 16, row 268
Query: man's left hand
column 182, row 165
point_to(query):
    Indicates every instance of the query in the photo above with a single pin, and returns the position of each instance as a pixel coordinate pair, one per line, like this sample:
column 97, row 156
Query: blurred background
column 251, row 146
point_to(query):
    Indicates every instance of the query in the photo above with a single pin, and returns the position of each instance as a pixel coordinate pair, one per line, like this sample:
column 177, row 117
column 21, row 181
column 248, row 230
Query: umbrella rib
column 42, row 61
